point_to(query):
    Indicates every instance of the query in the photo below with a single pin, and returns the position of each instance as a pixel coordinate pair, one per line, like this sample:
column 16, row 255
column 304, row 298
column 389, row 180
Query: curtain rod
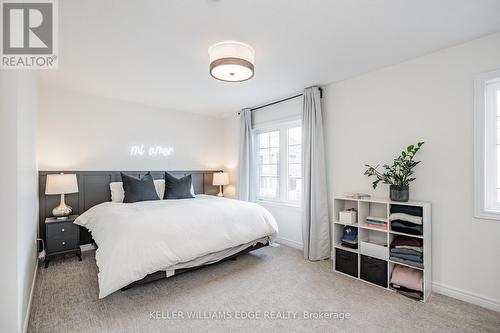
column 282, row 100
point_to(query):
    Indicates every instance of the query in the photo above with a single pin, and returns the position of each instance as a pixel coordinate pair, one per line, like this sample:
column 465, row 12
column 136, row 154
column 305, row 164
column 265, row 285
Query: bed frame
column 163, row 274
column 94, row 189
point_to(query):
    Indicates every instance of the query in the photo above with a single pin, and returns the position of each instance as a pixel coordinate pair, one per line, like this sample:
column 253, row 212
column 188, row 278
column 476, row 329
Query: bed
column 102, row 217
column 143, row 241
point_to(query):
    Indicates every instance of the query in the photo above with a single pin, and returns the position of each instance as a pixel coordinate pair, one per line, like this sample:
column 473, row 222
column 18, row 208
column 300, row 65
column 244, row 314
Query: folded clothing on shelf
column 350, row 237
column 407, row 242
column 406, row 227
column 406, row 219
column 407, row 250
column 413, row 294
column 406, row 262
column 376, row 222
column 408, row 277
column 410, row 210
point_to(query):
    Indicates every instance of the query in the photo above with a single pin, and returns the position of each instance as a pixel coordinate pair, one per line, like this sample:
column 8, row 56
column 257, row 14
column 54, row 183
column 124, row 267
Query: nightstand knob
column 63, row 243
column 62, row 230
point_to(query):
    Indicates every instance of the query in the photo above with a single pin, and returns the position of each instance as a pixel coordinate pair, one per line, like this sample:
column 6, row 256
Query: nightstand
column 62, row 237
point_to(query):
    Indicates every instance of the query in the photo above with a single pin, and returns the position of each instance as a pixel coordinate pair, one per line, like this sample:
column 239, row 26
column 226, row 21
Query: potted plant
column 398, row 175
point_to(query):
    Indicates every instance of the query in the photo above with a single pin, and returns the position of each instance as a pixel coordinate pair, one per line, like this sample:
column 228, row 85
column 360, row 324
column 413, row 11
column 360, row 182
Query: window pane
column 263, row 140
column 294, row 135
column 268, row 187
column 274, row 138
column 274, row 155
column 498, row 194
column 269, row 170
column 294, row 170
column 294, row 154
column 294, row 188
column 264, row 156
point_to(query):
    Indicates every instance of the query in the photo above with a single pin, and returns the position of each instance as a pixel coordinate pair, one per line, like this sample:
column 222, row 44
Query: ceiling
column 155, row 52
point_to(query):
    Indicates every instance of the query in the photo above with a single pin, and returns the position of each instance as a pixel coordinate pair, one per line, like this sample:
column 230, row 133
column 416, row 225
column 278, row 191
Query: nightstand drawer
column 62, row 237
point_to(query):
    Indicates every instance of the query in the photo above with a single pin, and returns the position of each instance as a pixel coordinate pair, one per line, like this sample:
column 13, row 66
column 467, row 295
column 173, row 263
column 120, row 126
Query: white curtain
column 315, row 220
column 245, row 163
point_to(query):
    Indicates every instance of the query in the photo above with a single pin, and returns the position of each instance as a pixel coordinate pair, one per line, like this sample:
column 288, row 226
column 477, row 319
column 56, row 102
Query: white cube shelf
column 375, row 242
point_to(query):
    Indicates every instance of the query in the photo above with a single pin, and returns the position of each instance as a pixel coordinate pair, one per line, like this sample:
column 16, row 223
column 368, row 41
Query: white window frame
column 283, row 127
column 485, row 151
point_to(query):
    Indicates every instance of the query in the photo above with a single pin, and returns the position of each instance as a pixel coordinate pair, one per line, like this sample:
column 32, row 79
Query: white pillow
column 118, row 194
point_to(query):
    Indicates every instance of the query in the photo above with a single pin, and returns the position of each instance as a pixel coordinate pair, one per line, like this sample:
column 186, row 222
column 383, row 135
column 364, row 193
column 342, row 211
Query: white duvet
column 142, row 238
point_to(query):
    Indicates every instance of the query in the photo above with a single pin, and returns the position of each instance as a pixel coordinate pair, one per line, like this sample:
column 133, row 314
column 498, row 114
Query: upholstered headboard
column 94, row 189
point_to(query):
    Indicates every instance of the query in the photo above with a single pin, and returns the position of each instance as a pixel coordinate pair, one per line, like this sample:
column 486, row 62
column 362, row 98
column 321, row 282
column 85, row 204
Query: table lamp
column 220, row 179
column 61, row 184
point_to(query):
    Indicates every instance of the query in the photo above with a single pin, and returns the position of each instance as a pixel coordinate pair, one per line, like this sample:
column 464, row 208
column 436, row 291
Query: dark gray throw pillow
column 136, row 189
column 177, row 188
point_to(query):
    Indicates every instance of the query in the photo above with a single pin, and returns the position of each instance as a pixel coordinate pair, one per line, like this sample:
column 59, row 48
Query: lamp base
column 220, row 194
column 63, row 210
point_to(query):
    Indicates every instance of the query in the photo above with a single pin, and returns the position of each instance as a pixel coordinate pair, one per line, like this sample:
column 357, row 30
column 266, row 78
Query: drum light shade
column 231, row 61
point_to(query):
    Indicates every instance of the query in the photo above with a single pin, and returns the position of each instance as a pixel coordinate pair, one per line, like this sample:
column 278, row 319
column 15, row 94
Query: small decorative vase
column 399, row 193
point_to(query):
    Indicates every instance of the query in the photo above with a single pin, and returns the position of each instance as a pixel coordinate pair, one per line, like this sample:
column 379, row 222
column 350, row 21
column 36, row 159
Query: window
column 279, row 162
column 487, row 146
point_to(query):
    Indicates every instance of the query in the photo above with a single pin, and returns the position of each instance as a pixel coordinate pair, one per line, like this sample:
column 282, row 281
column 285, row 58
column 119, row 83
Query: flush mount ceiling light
column 231, row 61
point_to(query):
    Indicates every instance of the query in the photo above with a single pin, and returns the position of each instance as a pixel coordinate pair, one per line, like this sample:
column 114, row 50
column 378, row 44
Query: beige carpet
column 270, row 279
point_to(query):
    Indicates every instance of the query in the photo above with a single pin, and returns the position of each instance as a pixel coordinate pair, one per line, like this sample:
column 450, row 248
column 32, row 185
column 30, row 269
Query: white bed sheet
column 138, row 239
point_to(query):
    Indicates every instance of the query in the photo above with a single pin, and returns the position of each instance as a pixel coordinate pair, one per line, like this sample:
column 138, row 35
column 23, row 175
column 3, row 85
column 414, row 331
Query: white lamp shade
column 231, row 61
column 61, row 184
column 221, row 178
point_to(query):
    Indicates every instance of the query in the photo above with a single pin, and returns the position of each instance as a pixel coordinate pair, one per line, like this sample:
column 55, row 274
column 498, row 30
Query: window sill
column 487, row 214
column 278, row 204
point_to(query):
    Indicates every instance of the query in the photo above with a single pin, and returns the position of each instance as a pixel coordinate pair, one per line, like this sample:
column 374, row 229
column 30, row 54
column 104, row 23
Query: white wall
column 369, row 119
column 19, row 204
column 86, row 132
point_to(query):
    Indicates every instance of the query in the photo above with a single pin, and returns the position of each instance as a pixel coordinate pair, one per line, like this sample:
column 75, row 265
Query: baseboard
column 291, row 243
column 87, row 247
column 485, row 302
column 28, row 309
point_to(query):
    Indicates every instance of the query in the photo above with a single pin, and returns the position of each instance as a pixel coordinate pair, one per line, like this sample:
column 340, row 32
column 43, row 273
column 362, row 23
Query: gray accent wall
column 94, row 189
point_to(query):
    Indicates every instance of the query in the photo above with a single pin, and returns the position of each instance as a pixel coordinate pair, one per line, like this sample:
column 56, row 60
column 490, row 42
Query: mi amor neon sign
column 141, row 150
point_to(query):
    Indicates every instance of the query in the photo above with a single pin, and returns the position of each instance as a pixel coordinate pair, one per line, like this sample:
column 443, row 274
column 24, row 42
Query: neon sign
column 141, row 150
